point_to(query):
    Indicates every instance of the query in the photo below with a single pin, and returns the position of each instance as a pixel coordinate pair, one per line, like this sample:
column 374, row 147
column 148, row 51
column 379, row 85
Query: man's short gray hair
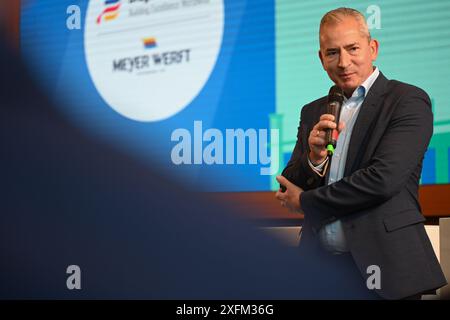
column 335, row 16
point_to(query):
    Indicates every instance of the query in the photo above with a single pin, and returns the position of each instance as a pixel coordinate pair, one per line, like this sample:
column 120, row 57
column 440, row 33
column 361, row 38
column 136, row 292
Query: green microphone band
column 330, row 149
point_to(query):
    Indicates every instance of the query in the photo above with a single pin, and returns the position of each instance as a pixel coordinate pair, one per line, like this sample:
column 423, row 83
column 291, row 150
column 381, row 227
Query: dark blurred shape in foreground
column 67, row 199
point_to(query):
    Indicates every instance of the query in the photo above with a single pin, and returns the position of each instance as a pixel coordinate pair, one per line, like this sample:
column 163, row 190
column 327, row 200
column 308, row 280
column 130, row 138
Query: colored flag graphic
column 149, row 43
column 110, row 12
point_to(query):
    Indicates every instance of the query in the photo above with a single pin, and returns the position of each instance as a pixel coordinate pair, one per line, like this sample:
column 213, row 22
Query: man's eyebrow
column 351, row 45
column 345, row 47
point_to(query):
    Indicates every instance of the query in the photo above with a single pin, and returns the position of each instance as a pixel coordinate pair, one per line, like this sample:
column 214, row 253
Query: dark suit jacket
column 377, row 200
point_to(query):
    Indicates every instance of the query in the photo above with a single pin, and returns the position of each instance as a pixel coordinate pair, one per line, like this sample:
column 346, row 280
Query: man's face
column 346, row 54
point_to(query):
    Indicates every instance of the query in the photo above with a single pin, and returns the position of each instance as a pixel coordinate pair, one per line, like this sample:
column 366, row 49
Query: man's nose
column 344, row 59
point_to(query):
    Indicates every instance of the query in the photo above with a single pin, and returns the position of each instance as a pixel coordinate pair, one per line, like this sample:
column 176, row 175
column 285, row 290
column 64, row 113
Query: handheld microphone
column 335, row 100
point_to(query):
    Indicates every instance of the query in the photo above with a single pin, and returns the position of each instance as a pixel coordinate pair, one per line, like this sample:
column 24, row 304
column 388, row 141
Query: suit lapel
column 366, row 116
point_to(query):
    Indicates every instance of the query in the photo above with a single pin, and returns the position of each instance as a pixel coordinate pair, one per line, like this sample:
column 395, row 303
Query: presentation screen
column 210, row 91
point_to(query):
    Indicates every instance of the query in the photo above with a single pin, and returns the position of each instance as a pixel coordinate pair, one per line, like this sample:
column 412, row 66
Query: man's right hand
column 317, row 136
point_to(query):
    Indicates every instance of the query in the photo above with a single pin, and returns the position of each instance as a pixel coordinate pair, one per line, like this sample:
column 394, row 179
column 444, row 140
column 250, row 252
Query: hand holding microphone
column 323, row 137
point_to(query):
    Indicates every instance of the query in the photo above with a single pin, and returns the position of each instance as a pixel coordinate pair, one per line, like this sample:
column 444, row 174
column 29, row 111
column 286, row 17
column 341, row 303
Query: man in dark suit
column 360, row 205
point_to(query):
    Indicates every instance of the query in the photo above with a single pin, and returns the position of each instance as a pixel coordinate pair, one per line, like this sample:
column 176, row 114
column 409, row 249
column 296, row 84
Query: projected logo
column 110, row 12
column 184, row 36
column 149, row 43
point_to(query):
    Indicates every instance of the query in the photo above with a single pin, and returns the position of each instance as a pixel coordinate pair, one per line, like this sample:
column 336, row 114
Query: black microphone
column 335, row 100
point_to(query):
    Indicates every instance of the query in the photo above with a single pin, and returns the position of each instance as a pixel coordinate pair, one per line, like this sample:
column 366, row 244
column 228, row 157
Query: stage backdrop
column 210, row 91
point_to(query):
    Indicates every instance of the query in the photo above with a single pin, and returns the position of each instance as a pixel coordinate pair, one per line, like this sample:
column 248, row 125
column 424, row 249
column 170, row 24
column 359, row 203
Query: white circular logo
column 149, row 59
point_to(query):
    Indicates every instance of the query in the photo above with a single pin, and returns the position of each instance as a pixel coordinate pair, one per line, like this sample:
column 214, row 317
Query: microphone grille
column 336, row 94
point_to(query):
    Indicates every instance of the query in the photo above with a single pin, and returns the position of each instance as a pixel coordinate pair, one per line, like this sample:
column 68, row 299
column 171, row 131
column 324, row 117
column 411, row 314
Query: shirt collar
column 364, row 88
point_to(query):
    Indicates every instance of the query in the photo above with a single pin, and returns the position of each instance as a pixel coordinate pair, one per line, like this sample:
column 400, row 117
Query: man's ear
column 374, row 49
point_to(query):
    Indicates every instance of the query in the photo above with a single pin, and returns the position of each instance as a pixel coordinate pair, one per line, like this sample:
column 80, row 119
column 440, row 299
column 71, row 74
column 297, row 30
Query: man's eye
column 331, row 53
column 354, row 49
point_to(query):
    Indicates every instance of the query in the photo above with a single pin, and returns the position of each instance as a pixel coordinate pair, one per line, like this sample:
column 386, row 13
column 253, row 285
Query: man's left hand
column 291, row 197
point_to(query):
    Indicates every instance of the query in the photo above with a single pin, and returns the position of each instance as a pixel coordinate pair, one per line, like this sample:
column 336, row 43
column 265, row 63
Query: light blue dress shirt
column 332, row 235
